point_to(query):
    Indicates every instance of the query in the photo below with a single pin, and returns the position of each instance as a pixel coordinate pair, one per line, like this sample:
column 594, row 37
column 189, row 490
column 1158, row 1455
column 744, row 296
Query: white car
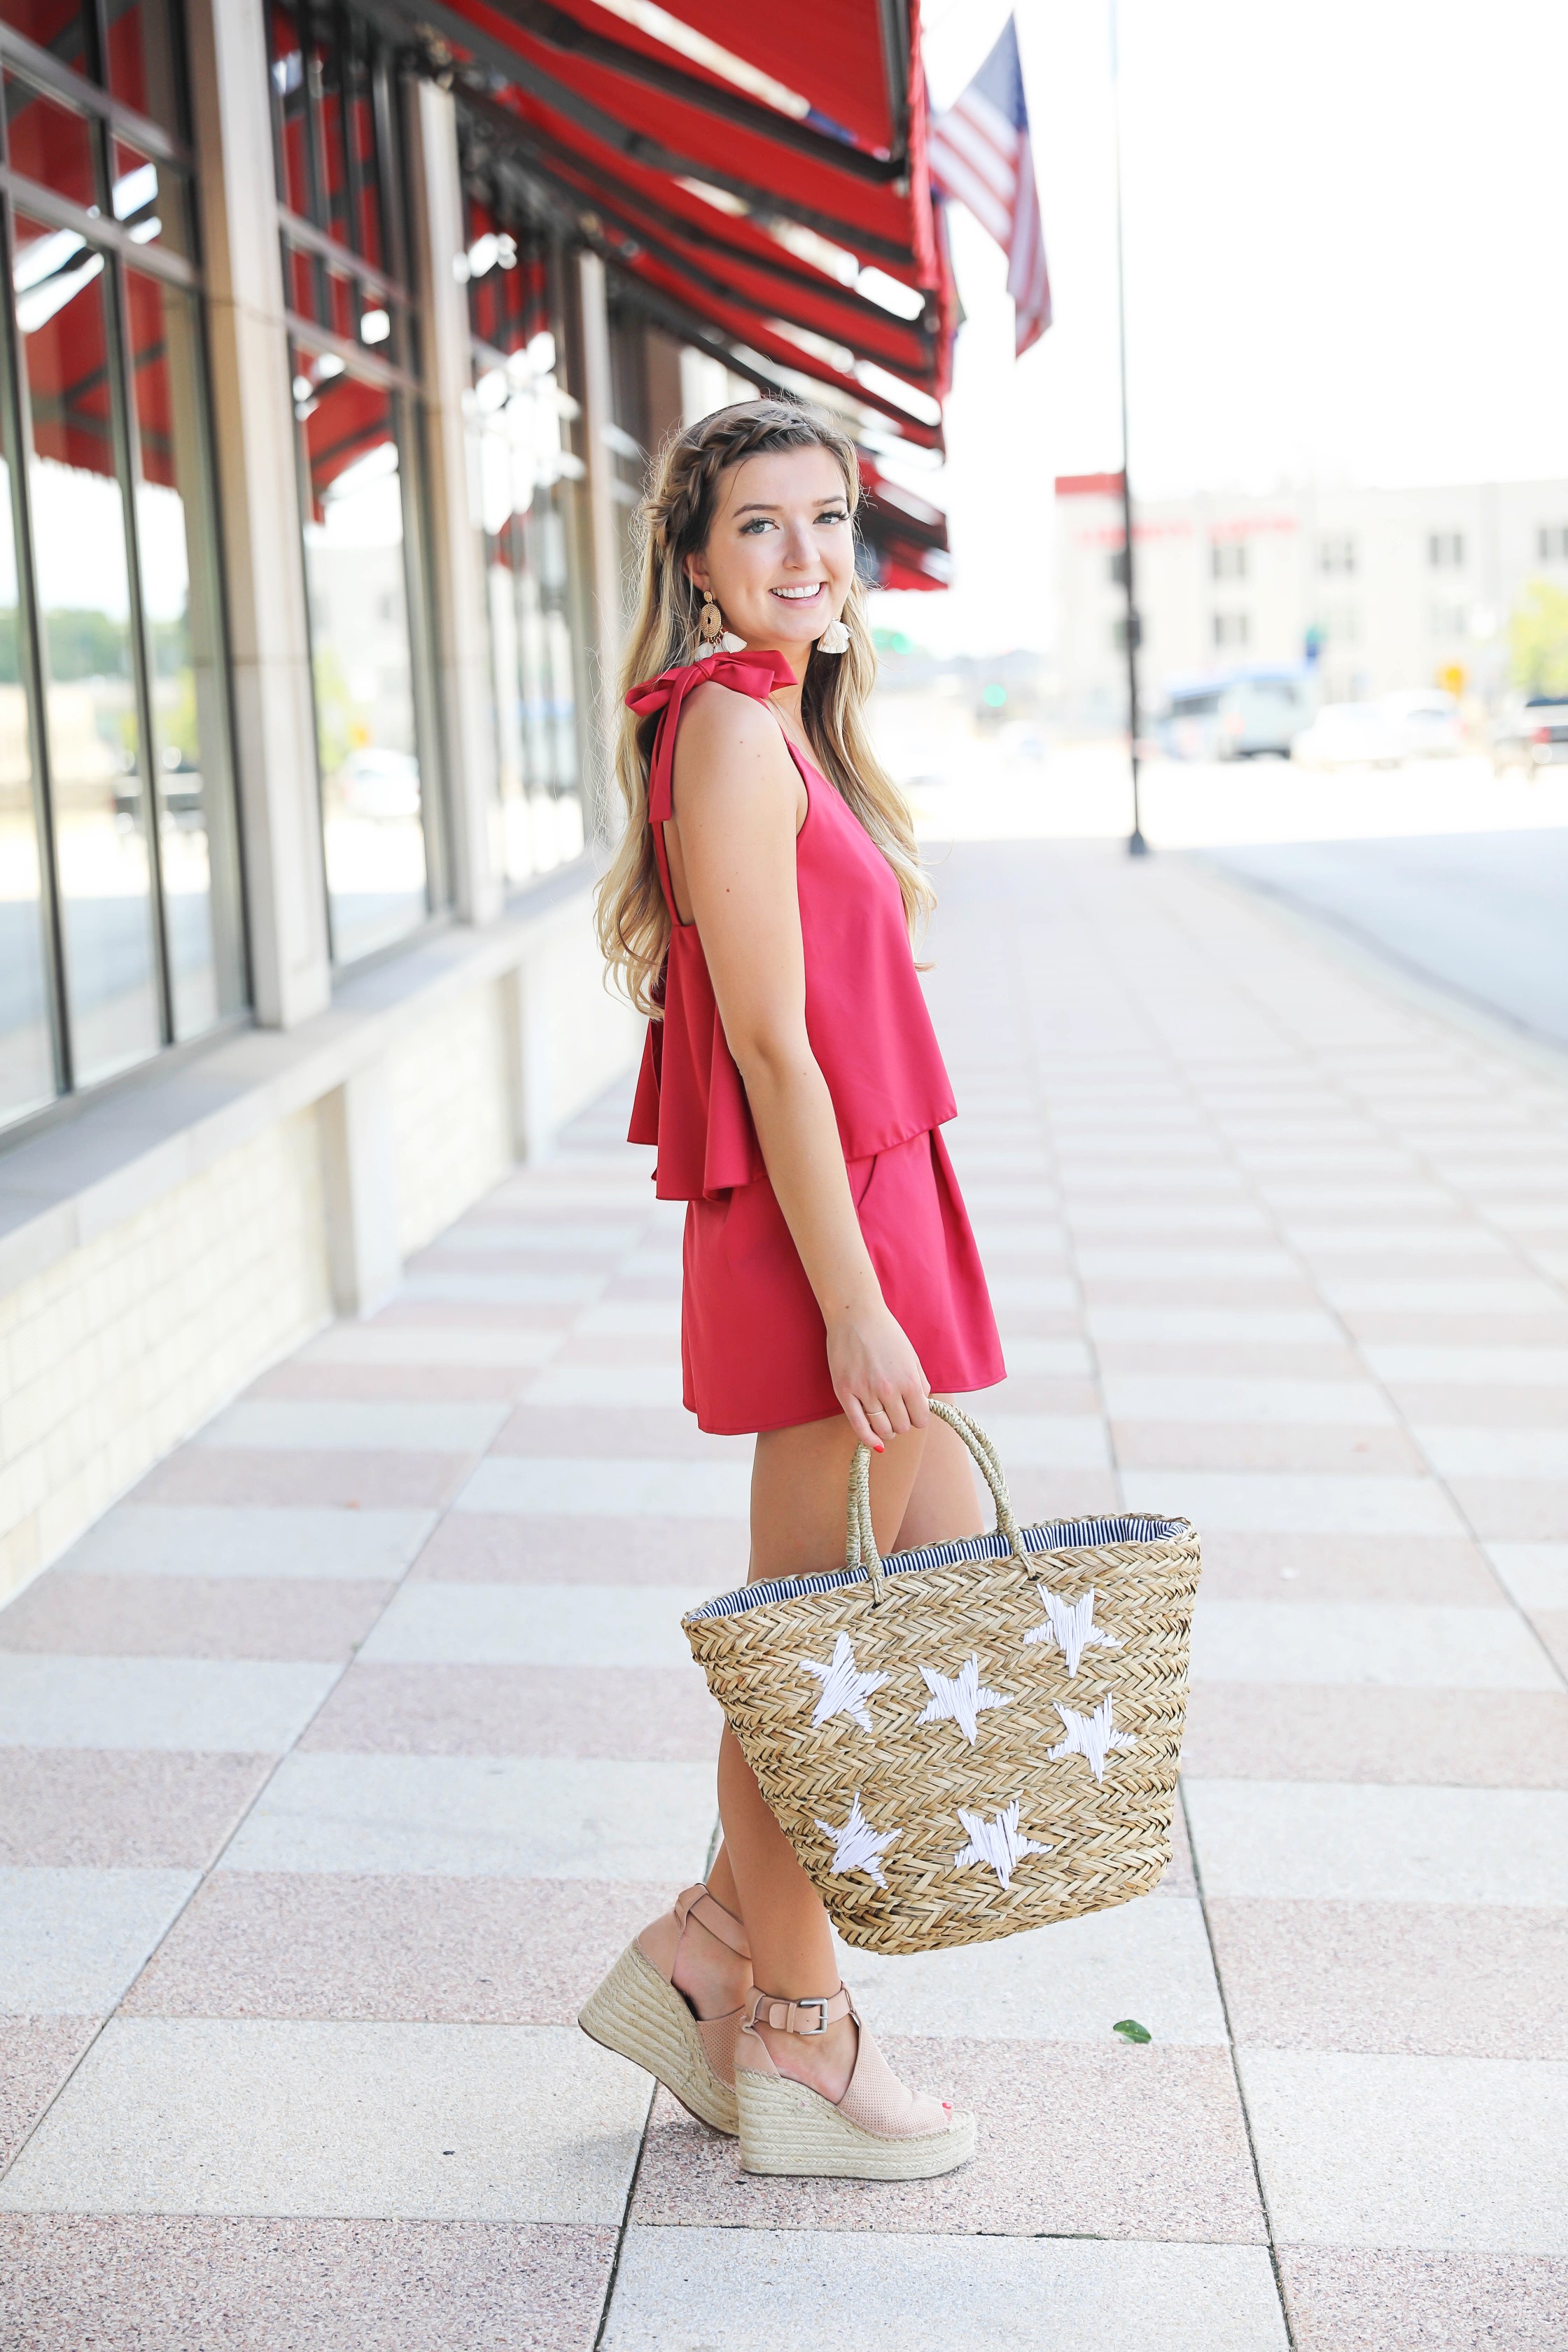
column 1430, row 722
column 1348, row 735
column 1423, row 725
column 379, row 784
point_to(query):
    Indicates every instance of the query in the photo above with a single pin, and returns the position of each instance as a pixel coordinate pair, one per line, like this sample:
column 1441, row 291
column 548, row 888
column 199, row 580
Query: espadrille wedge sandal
column 878, row 2131
column 639, row 2012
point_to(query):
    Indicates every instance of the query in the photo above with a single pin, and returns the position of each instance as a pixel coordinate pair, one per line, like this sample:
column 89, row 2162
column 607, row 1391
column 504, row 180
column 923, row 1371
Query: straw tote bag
column 974, row 1738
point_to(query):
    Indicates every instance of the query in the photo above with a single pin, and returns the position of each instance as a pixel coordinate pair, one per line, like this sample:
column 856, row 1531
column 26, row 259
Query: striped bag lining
column 1065, row 1535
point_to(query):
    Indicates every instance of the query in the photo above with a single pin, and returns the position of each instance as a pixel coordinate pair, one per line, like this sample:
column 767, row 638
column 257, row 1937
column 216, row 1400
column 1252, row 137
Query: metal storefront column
column 254, row 435
column 457, row 558
column 604, row 589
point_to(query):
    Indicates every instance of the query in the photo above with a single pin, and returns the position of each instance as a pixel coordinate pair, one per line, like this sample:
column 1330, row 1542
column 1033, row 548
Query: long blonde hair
column 675, row 521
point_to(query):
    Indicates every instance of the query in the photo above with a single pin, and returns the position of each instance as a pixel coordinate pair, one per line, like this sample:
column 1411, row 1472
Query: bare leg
column 798, row 1487
column 799, row 1482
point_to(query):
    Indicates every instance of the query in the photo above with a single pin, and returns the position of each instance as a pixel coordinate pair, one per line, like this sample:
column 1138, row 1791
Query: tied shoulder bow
column 757, row 672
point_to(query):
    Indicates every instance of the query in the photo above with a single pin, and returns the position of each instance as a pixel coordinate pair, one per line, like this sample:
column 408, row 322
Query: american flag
column 979, row 151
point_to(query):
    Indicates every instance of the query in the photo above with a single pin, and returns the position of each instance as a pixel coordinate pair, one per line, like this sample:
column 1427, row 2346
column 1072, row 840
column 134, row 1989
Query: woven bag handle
column 860, row 1546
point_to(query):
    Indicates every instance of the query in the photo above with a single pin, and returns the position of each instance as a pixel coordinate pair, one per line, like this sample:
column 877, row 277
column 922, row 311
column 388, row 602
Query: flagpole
column 1137, row 846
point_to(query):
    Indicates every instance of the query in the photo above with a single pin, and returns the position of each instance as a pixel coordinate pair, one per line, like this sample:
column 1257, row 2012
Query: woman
column 760, row 909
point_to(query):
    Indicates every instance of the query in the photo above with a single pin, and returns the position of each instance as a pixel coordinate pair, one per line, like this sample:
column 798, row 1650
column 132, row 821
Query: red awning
column 829, row 152
column 903, row 535
column 837, row 60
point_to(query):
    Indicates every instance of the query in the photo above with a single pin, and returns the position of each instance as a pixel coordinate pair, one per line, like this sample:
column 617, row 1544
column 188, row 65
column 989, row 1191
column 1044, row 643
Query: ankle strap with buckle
column 798, row 2016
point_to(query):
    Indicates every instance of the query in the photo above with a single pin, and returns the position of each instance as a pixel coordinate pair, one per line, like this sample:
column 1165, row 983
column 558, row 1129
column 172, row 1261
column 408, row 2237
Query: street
column 1447, row 870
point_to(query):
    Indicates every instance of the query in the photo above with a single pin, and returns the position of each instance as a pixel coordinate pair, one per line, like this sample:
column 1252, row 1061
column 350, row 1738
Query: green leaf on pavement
column 1130, row 2031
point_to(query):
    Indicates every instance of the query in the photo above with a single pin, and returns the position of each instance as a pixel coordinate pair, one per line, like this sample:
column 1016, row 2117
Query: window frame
column 517, row 214
column 109, row 117
column 399, row 378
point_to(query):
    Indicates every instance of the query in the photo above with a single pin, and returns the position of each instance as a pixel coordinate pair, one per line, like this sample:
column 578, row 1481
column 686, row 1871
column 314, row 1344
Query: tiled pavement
column 339, row 1761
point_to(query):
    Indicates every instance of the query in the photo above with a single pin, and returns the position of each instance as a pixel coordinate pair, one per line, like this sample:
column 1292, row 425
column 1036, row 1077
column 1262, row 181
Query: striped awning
column 764, row 184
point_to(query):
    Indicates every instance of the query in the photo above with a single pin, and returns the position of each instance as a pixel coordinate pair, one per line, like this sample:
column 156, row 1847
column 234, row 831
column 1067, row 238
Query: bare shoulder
column 730, row 743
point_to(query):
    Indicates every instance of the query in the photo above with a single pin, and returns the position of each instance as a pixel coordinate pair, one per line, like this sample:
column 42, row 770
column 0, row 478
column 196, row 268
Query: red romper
column 753, row 1349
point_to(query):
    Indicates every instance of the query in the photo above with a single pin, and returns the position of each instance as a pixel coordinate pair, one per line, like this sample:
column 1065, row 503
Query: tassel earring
column 711, row 630
column 834, row 638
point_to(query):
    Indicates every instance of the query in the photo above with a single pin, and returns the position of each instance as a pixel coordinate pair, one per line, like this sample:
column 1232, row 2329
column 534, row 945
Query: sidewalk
column 339, row 1761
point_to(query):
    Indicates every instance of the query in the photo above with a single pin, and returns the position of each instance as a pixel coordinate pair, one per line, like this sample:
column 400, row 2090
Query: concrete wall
column 126, row 1343
column 162, row 1248
column 451, row 1113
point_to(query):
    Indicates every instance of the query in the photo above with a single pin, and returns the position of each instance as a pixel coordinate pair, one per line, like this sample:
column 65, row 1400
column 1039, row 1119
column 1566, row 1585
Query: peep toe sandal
column 639, row 2012
column 878, row 2131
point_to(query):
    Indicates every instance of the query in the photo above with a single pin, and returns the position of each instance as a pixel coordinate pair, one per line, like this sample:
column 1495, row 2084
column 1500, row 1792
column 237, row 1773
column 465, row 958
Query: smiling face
column 780, row 558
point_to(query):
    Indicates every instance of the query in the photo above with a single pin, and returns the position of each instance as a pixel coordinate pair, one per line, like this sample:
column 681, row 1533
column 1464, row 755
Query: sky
column 1343, row 234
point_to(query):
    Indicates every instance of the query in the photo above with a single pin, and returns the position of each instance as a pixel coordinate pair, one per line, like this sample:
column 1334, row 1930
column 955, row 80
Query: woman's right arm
column 739, row 804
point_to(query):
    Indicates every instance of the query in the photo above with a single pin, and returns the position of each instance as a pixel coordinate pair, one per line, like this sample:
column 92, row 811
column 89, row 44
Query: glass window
column 26, row 1046
column 113, row 691
column 59, row 26
column 335, row 116
column 523, row 476
column 82, row 566
column 149, row 198
column 362, row 653
column 358, row 213
column 143, row 67
column 298, row 163
column 49, row 142
column 325, row 96
column 188, row 709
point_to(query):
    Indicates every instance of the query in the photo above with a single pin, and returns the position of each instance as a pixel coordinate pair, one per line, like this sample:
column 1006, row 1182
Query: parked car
column 1421, row 725
column 1348, row 735
column 1428, row 722
column 1531, row 734
column 375, row 782
column 1240, row 714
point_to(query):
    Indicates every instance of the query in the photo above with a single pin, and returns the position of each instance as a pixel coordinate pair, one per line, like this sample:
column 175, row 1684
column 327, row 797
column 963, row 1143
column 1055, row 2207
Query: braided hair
column 674, row 521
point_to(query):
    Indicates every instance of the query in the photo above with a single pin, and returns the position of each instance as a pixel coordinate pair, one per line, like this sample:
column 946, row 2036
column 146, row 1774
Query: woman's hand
column 876, row 1374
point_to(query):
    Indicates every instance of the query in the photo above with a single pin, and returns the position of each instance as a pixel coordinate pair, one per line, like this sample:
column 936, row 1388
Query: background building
column 336, row 340
column 1400, row 588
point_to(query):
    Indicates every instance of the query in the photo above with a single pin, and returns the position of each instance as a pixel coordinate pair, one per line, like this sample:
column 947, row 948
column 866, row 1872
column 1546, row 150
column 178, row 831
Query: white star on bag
column 1092, row 1736
column 1070, row 1625
column 960, row 1698
column 844, row 1691
column 857, row 1846
column 996, row 1843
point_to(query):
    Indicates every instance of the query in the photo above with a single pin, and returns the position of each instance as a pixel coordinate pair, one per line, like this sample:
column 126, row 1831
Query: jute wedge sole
column 636, row 2013
column 787, row 2128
